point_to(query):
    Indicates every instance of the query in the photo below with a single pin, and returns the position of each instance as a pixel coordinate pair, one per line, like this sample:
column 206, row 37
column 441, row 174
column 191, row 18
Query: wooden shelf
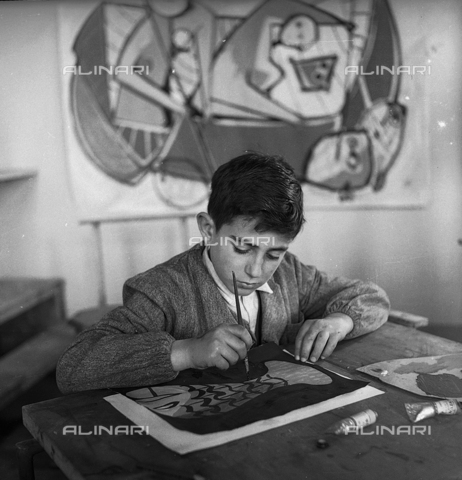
column 33, row 332
column 12, row 174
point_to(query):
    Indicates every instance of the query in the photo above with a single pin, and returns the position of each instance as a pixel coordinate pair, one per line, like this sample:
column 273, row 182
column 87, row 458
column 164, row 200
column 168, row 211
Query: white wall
column 413, row 254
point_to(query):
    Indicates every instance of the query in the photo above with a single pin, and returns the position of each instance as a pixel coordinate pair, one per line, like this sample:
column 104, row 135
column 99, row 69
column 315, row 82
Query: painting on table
column 436, row 376
column 206, row 408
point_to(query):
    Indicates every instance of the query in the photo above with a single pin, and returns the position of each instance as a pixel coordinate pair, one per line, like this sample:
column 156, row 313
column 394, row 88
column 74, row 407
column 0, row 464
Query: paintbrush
column 241, row 322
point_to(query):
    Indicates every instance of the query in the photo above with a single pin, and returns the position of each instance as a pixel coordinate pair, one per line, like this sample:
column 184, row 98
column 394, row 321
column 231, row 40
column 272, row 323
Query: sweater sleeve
column 130, row 346
column 320, row 295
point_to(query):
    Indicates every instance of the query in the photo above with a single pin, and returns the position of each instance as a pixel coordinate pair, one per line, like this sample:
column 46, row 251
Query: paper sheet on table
column 434, row 376
column 203, row 409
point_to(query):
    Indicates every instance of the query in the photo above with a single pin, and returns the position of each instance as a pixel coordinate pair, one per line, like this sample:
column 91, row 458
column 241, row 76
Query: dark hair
column 258, row 186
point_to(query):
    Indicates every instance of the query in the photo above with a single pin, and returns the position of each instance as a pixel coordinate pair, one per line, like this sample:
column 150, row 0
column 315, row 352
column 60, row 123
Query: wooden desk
column 287, row 452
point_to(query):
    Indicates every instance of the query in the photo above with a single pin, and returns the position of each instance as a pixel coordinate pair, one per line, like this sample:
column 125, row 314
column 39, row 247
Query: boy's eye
column 241, row 251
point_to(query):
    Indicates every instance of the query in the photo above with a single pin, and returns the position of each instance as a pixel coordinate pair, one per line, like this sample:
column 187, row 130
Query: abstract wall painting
column 436, row 376
column 159, row 94
column 205, row 408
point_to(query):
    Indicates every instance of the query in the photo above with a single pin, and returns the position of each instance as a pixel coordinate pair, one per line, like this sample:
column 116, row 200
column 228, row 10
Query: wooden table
column 288, row 452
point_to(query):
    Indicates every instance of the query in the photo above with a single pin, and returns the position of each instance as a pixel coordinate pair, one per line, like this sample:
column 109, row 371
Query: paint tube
column 421, row 410
column 353, row 423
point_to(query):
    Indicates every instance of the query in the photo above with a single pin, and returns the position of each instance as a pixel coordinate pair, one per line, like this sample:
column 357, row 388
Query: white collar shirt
column 249, row 303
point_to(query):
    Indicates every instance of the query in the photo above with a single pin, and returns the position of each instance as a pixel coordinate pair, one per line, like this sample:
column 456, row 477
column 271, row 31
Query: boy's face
column 252, row 256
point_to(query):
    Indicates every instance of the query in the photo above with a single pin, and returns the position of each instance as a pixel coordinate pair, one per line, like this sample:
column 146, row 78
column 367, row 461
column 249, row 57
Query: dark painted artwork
column 208, row 401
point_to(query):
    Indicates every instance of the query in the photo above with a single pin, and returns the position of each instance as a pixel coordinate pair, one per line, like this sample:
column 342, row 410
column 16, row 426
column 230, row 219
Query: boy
column 182, row 314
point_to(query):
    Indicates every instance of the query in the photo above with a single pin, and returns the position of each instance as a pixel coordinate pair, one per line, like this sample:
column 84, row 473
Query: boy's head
column 255, row 211
column 258, row 187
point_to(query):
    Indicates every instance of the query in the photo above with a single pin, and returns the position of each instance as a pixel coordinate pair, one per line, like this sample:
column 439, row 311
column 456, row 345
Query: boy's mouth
column 247, row 286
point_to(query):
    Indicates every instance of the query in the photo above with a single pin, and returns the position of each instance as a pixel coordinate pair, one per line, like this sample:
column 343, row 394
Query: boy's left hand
column 318, row 338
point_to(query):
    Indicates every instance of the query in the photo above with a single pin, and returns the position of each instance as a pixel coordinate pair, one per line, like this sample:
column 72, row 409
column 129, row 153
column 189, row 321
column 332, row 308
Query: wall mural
column 171, row 90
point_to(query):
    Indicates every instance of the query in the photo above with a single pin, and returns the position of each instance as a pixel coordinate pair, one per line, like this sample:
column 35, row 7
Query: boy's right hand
column 220, row 347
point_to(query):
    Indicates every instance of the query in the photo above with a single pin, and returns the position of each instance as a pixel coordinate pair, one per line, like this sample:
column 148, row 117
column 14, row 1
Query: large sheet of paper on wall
column 158, row 94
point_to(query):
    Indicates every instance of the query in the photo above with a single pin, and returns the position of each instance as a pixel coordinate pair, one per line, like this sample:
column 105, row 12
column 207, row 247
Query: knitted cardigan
column 131, row 345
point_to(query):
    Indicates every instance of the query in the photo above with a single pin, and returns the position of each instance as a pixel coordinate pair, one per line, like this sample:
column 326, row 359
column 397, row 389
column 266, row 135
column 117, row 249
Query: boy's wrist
column 180, row 355
column 347, row 320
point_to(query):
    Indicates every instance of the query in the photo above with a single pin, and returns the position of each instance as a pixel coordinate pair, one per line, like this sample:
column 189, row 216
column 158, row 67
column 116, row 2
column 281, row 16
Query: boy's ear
column 206, row 226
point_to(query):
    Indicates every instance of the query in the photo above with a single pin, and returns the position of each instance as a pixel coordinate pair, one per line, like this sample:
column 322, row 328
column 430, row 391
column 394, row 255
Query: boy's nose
column 254, row 269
